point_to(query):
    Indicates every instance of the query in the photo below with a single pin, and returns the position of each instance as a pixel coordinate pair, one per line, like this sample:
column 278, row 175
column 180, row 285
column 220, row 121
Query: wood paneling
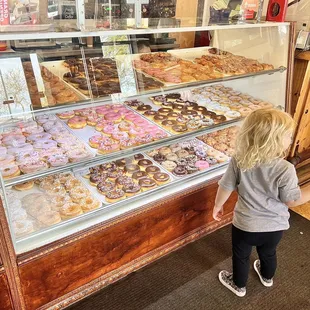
column 5, row 298
column 59, row 272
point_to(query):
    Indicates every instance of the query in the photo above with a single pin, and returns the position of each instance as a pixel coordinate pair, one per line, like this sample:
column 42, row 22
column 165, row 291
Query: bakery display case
column 110, row 155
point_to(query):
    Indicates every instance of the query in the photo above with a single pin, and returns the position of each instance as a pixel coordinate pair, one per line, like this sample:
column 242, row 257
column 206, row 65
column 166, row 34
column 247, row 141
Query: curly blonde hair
column 261, row 138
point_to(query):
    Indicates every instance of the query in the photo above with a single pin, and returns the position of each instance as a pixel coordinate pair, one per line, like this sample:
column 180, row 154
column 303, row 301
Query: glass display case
column 94, row 124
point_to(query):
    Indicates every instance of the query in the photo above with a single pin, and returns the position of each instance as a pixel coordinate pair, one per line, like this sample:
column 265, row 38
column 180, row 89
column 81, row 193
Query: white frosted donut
column 23, row 227
column 232, row 114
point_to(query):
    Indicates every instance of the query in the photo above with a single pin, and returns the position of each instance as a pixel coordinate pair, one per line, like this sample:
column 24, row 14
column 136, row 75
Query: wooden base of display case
column 64, row 272
column 5, row 297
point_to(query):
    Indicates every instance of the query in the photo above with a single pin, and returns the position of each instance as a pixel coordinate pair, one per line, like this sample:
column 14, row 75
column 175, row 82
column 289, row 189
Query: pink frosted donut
column 125, row 144
column 9, row 171
column 12, row 132
column 92, row 120
column 7, row 160
column 26, row 147
column 104, row 149
column 158, row 135
column 202, row 165
column 56, row 131
column 125, row 126
column 52, row 124
column 120, row 135
column 58, row 160
column 113, row 117
column 73, row 146
column 32, row 167
column 67, row 139
column 77, row 155
column 101, row 111
column 45, row 144
column 25, row 157
column 132, row 117
column 44, row 154
column 109, row 130
column 66, row 115
column 3, row 152
column 41, row 119
column 14, row 140
column 133, row 132
column 33, row 130
column 36, row 136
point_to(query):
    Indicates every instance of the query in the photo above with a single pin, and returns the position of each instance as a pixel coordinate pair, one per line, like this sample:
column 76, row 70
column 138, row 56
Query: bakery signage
column 4, row 12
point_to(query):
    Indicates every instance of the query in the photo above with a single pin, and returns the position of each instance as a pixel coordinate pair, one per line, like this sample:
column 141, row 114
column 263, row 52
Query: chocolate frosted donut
column 160, row 117
column 151, row 170
column 189, row 112
column 145, row 162
column 169, row 123
column 200, row 109
column 104, row 187
column 144, row 108
column 150, row 113
column 147, row 183
column 139, row 174
column 173, row 96
column 208, row 113
column 98, row 178
column 121, row 163
column 138, row 157
column 179, row 171
column 124, row 180
column 179, row 128
column 132, row 168
column 161, row 177
column 108, row 167
column 132, row 188
column 159, row 157
column 164, row 111
column 219, row 118
column 115, row 174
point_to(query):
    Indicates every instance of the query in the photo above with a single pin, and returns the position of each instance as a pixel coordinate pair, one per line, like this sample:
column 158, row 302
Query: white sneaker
column 226, row 278
column 265, row 282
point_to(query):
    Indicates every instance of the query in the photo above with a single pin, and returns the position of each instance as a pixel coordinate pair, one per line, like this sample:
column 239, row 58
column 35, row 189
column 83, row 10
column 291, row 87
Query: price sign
column 4, row 12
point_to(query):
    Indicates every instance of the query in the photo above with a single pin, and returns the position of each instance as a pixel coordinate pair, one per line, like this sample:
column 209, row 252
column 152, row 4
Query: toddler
column 267, row 185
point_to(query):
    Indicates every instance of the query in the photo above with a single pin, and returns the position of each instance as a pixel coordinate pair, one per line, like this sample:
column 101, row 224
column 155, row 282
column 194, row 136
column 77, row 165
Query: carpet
column 187, row 279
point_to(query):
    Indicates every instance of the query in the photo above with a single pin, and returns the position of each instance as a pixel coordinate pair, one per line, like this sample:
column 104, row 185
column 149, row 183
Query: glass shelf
column 106, row 33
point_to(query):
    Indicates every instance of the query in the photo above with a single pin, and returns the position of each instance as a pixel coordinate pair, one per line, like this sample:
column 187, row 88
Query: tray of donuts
column 124, row 178
column 34, row 146
column 58, row 69
column 228, row 101
column 186, row 158
column 222, row 140
column 177, row 115
column 47, row 201
column 111, row 128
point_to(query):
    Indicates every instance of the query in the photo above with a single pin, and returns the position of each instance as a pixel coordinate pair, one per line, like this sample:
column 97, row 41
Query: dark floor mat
column 187, row 279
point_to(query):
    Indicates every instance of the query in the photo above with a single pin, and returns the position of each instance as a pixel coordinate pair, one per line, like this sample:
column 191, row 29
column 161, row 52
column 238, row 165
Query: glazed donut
column 56, row 190
column 23, row 227
column 72, row 183
column 70, row 210
column 232, row 114
column 245, row 111
column 49, row 218
column 31, row 167
column 9, row 171
column 89, row 203
column 64, row 177
column 59, row 201
column 78, row 193
column 265, row 104
column 77, row 122
column 24, row 186
column 254, row 107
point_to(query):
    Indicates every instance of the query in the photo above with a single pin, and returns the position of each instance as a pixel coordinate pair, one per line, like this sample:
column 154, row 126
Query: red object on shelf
column 276, row 10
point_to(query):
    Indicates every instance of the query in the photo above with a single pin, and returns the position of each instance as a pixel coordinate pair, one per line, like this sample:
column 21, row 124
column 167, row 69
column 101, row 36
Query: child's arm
column 305, row 197
column 221, row 197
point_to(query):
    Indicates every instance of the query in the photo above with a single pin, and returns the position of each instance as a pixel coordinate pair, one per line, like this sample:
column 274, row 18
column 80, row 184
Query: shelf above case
column 107, row 100
column 106, row 33
column 118, row 155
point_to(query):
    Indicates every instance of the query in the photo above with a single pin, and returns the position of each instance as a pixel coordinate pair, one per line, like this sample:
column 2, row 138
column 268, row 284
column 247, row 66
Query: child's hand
column 218, row 212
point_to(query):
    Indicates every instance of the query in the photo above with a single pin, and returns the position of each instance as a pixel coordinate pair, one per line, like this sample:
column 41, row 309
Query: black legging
column 266, row 245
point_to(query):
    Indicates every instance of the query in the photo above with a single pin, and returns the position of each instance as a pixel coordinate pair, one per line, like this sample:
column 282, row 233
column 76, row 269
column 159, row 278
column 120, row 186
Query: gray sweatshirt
column 262, row 193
